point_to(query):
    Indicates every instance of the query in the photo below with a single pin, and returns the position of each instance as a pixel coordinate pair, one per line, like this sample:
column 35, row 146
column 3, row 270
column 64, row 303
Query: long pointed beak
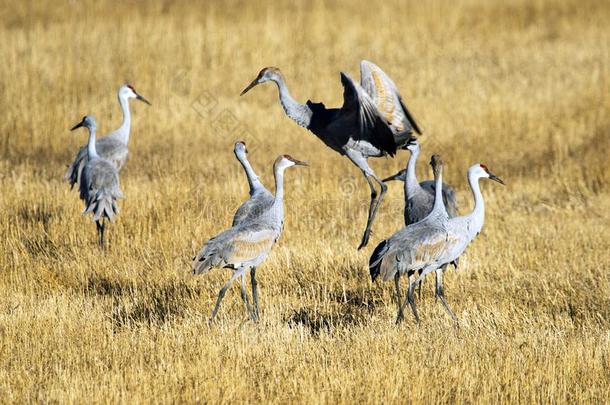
column 300, row 163
column 254, row 83
column 393, row 177
column 496, row 178
column 80, row 124
column 139, row 97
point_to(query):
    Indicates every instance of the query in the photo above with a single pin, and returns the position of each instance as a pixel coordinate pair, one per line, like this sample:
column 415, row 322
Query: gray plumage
column 246, row 245
column 373, row 122
column 419, row 196
column 408, row 251
column 260, row 199
column 112, row 147
column 432, row 243
column 99, row 184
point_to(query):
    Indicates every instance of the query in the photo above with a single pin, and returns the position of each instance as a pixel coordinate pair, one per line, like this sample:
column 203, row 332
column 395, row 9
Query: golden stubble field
column 522, row 86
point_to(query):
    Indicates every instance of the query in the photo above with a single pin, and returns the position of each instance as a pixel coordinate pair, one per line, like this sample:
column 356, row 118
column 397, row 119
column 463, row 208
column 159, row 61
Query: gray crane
column 373, row 122
column 246, row 245
column 419, row 197
column 260, row 201
column 391, row 251
column 112, row 147
column 260, row 198
column 99, row 184
column 422, row 249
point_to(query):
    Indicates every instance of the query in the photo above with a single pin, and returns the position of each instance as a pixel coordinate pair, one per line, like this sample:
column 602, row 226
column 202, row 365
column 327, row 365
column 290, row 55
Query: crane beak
column 80, row 124
column 496, row 178
column 254, row 83
column 394, row 177
column 300, row 163
column 139, row 97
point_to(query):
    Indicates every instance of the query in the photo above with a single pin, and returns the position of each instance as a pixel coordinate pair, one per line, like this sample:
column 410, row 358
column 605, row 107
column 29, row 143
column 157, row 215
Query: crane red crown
column 484, row 167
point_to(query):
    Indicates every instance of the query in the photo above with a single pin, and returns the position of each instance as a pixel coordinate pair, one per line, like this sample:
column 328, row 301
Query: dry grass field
column 522, row 86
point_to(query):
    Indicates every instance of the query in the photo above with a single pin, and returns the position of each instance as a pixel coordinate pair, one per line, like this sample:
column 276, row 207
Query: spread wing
column 359, row 109
column 387, row 99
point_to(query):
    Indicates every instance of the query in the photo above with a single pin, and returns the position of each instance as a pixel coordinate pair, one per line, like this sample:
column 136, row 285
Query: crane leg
column 254, row 292
column 401, row 314
column 411, row 301
column 439, row 291
column 223, row 291
column 360, row 160
column 244, row 296
column 100, row 232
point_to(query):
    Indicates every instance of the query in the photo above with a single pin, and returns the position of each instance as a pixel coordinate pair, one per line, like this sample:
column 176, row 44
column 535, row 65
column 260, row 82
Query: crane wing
column 387, row 99
column 248, row 245
column 358, row 105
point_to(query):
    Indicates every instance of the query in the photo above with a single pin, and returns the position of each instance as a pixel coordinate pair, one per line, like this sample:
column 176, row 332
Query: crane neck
column 253, row 180
column 439, row 205
column 299, row 113
column 125, row 127
column 411, row 183
column 478, row 213
column 279, row 186
column 91, row 150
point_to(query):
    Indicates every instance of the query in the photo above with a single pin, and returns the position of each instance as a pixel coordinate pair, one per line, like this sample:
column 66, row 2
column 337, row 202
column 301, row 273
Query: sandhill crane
column 260, row 198
column 386, row 258
column 372, row 122
column 422, row 250
column 419, row 197
column 113, row 146
column 99, row 185
column 246, row 245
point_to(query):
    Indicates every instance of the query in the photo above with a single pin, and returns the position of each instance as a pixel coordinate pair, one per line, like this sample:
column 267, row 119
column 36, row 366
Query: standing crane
column 372, row 122
column 247, row 244
column 112, row 147
column 99, row 184
column 422, row 250
column 419, row 197
column 387, row 258
column 260, row 200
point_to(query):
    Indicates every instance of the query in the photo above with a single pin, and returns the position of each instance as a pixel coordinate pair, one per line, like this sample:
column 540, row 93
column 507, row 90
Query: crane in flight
column 373, row 122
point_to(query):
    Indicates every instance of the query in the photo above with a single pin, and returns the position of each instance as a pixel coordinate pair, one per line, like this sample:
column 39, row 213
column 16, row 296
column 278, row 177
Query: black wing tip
column 375, row 262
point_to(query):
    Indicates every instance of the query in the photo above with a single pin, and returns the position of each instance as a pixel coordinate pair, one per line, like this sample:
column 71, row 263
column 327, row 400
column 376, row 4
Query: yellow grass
column 521, row 85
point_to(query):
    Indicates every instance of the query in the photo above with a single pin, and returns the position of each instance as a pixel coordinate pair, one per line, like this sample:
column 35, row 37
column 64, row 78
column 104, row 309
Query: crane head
column 413, row 145
column 490, row 175
column 266, row 74
column 437, row 164
column 240, row 147
column 127, row 91
column 88, row 121
column 285, row 161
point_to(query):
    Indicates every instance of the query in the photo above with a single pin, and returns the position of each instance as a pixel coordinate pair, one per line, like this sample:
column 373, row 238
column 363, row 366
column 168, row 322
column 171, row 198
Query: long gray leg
column 254, row 292
column 360, row 160
column 244, row 296
column 100, row 232
column 401, row 314
column 439, row 291
column 411, row 301
column 223, row 291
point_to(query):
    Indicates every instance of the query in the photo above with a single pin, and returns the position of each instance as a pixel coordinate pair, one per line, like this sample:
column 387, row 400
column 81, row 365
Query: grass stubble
column 521, row 86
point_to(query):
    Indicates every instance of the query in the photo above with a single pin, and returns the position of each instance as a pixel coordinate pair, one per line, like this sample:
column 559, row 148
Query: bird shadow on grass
column 137, row 304
column 353, row 307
